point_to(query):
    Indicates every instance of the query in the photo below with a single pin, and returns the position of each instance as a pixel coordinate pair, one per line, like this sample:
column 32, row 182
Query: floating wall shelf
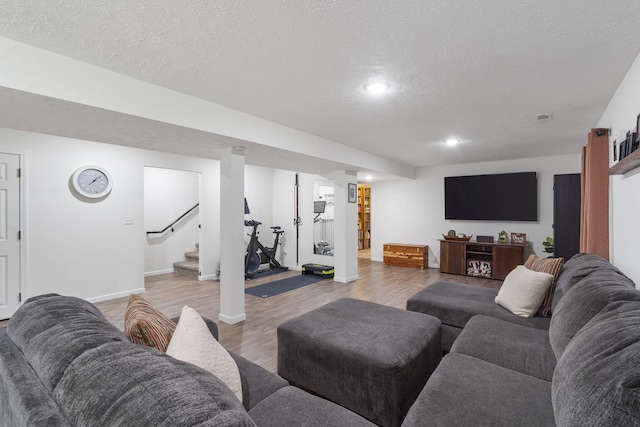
column 627, row 164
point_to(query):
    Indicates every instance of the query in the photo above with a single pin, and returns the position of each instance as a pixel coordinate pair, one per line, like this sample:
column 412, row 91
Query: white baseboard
column 346, row 279
column 209, row 277
column 116, row 295
column 232, row 320
column 158, row 272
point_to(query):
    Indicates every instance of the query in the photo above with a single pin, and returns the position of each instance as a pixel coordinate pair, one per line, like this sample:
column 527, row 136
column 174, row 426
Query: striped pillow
column 145, row 325
column 552, row 266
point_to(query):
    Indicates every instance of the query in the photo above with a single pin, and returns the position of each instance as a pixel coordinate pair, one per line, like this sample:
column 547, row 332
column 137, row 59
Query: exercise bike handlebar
column 253, row 223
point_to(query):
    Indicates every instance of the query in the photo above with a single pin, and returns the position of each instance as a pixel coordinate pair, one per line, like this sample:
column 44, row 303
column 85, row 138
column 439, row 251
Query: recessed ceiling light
column 377, row 88
column 368, row 177
column 451, row 141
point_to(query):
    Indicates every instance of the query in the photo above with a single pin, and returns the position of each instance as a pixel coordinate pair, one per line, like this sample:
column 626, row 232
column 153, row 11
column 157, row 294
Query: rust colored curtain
column 594, row 209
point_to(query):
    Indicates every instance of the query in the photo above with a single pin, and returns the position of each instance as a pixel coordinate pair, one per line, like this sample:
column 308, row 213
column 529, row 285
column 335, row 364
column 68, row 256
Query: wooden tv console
column 501, row 257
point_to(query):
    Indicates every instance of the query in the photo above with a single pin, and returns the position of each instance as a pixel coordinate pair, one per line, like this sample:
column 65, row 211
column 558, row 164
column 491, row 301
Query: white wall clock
column 92, row 181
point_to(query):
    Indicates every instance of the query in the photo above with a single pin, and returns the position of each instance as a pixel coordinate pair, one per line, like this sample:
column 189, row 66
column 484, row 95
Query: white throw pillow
column 192, row 342
column 523, row 290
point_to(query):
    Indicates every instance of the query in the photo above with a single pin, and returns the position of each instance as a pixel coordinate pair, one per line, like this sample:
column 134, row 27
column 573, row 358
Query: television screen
column 318, row 206
column 497, row 197
column 246, row 207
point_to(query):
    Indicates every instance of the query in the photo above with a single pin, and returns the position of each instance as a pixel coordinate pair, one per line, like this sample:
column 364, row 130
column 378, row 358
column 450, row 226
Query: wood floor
column 255, row 338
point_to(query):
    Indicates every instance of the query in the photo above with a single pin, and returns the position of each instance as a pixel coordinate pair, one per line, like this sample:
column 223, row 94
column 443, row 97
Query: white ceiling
column 480, row 71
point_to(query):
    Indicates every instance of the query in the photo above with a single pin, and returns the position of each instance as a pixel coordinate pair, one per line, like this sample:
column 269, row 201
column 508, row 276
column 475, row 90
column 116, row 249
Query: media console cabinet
column 490, row 260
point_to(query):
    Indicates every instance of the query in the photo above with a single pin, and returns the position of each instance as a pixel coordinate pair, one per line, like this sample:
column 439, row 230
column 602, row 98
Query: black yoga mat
column 280, row 286
column 264, row 273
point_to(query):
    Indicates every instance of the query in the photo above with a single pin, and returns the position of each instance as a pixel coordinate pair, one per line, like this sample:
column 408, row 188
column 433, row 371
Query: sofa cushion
column 465, row 391
column 577, row 268
column 455, row 303
column 192, row 342
column 597, row 379
column 583, row 301
column 52, row 330
column 523, row 290
column 292, row 406
column 552, row 266
column 121, row 383
column 517, row 347
column 146, row 325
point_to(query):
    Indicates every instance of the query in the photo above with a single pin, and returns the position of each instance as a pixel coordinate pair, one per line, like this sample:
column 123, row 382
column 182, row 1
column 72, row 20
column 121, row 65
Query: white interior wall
column 621, row 116
column 83, row 248
column 413, row 211
column 257, row 190
column 168, row 194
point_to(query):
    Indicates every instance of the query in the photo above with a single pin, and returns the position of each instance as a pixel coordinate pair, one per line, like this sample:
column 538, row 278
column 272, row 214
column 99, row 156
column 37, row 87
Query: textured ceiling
column 480, row 71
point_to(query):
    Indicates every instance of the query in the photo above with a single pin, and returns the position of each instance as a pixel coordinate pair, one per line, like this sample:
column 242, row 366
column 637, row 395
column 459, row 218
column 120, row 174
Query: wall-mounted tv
column 497, row 197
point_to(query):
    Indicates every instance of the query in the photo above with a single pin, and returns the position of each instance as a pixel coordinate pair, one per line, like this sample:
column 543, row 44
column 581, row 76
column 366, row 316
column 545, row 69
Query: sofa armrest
column 257, row 382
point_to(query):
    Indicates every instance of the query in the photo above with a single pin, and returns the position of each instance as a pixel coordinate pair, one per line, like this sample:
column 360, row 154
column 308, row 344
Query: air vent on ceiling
column 543, row 117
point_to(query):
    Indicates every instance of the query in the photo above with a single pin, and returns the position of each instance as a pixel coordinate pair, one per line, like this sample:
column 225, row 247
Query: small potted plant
column 548, row 245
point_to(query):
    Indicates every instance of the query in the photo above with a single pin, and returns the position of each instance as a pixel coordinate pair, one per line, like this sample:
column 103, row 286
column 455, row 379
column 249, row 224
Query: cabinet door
column 452, row 258
column 505, row 259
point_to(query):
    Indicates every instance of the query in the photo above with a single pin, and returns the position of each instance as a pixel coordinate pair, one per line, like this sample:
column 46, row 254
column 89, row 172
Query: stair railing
column 170, row 226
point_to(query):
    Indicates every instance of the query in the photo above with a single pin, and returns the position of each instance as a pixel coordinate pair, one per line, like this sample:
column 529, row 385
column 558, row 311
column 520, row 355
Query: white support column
column 232, row 235
column 346, row 229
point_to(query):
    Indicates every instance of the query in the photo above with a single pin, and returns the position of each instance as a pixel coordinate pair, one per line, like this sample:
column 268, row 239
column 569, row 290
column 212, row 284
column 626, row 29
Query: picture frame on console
column 519, row 239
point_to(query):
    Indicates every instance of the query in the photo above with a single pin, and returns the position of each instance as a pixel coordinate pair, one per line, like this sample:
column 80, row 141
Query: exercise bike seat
column 251, row 223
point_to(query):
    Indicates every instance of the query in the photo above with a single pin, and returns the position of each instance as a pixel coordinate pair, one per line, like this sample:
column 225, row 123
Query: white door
column 9, row 234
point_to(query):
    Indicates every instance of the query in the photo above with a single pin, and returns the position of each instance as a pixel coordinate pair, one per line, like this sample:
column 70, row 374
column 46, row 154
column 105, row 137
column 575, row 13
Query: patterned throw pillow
column 552, row 266
column 145, row 325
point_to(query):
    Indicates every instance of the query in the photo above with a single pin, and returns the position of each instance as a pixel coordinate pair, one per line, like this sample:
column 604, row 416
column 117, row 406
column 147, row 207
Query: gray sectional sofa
column 62, row 364
column 580, row 369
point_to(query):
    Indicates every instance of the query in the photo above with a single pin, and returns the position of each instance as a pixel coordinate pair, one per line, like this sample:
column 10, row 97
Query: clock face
column 92, row 181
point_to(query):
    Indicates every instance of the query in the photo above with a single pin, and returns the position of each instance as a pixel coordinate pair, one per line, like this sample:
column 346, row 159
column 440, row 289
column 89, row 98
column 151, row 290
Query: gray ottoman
column 369, row 358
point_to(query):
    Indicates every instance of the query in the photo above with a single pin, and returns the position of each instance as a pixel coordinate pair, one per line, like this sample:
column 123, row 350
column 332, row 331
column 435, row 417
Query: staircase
column 191, row 264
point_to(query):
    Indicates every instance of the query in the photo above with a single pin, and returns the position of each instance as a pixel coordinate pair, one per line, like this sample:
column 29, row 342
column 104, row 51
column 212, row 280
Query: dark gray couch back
column 52, row 330
column 584, row 300
column 97, row 377
column 576, row 269
column 597, row 379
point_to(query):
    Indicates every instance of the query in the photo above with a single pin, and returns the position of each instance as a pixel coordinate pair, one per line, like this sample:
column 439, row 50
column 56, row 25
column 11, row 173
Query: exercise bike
column 254, row 259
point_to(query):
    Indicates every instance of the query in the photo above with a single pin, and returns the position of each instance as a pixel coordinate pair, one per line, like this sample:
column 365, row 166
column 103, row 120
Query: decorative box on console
column 479, row 268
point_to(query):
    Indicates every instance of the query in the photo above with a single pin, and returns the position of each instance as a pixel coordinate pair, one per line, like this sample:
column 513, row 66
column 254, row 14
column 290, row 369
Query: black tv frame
column 492, row 197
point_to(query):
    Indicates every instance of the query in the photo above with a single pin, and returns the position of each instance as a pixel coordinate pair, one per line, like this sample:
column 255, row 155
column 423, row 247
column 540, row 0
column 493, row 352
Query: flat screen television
column 319, row 206
column 496, row 197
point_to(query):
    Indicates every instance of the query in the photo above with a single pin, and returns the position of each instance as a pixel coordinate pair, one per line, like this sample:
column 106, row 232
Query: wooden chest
column 403, row 255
